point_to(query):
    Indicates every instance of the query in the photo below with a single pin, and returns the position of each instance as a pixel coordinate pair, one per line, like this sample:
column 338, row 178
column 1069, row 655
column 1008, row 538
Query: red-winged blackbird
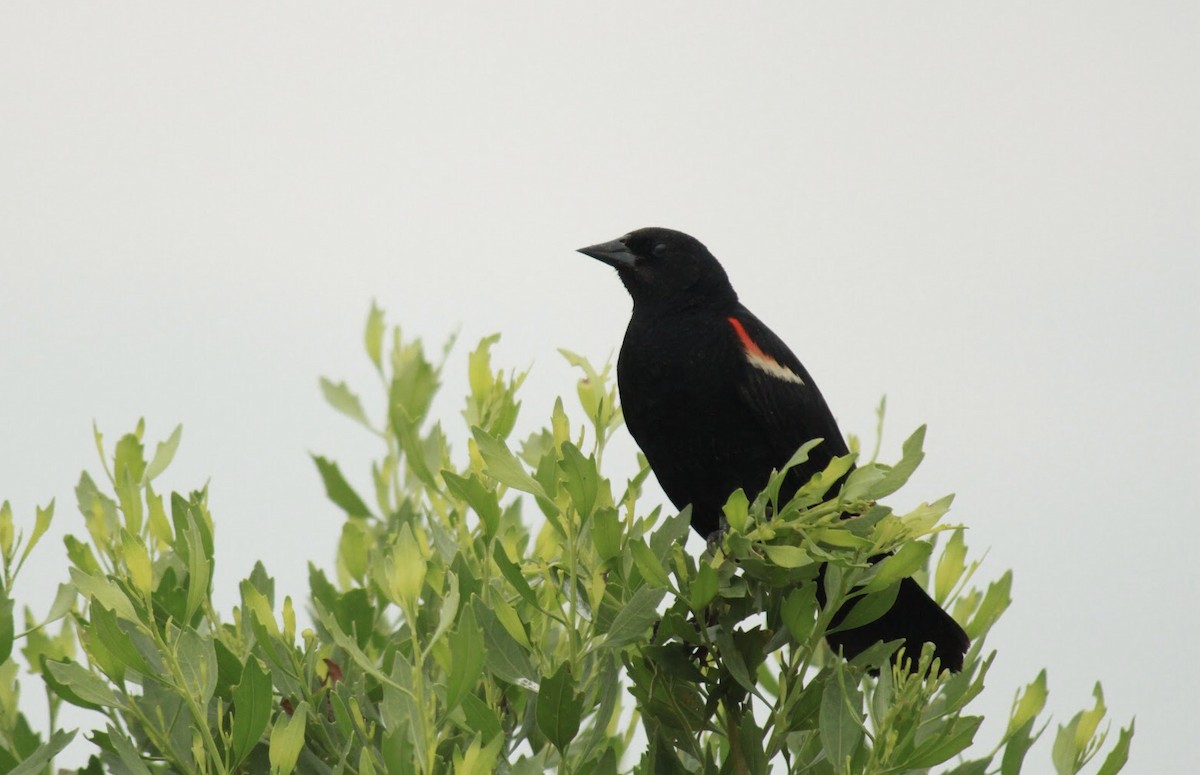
column 716, row 401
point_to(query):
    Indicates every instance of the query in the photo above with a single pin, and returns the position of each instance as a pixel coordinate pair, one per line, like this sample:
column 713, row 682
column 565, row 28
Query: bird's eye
column 659, row 249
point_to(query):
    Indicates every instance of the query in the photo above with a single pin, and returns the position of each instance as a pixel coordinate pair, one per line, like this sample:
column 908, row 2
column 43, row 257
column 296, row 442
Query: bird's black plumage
column 716, row 401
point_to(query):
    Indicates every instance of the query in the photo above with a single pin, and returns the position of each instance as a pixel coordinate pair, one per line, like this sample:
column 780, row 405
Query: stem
column 573, row 617
column 198, row 715
column 790, row 676
column 737, row 757
column 420, row 699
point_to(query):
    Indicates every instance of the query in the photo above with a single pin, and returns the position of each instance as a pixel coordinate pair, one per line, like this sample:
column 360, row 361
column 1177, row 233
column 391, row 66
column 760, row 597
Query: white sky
column 987, row 212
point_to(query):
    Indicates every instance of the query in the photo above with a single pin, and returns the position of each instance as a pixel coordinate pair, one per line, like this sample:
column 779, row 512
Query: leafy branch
column 511, row 609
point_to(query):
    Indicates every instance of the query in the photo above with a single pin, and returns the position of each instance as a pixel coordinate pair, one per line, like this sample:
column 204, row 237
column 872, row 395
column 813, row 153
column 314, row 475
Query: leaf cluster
column 512, row 610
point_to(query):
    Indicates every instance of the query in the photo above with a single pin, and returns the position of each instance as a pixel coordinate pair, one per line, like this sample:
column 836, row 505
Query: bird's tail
column 917, row 619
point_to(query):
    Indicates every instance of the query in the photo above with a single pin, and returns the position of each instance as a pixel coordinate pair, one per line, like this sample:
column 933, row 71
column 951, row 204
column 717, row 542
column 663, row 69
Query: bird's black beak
column 614, row 253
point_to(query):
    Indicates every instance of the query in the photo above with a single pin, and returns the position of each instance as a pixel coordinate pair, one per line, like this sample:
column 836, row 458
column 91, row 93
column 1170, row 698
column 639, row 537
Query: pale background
column 987, row 212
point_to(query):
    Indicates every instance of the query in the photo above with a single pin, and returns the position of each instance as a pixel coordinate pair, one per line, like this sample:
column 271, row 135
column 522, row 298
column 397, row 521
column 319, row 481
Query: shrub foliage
column 512, row 610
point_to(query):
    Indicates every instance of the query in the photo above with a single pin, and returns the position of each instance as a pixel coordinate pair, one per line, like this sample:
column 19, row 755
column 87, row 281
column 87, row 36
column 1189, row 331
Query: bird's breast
column 682, row 406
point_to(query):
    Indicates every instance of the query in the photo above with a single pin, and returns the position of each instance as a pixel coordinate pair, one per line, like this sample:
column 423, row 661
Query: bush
column 463, row 634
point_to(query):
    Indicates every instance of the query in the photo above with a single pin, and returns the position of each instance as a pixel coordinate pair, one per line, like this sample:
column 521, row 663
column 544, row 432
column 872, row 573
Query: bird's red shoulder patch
column 758, row 358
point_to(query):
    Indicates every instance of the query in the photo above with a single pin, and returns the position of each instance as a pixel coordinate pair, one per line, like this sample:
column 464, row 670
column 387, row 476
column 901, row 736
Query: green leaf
column 957, row 736
column 511, row 621
column 164, row 453
column 81, row 684
column 909, row 559
column 559, row 708
column 116, row 641
column 448, row 610
column 129, row 465
column 841, row 727
column 606, row 533
column 467, row 650
column 37, row 761
column 366, row 765
column 137, row 562
column 512, row 572
column 704, row 587
column 786, row 556
column 973, row 767
column 818, row 487
column 673, row 532
column 354, row 548
column 197, row 664
column 480, row 718
column 263, row 582
column 405, row 569
column 637, row 615
column 503, row 466
column 199, row 561
column 1119, row 755
column 752, row 740
column 256, row 604
column 504, row 656
column 64, row 599
column 7, row 532
column 229, row 671
column 40, row 526
column 799, row 611
column 7, row 628
column 338, row 490
column 910, row 457
column 1064, row 753
column 862, row 481
column 81, row 556
column 732, row 658
column 607, row 676
column 100, row 657
column 479, row 368
column 868, row 608
column 582, row 479
column 995, row 601
column 251, row 709
column 925, row 516
column 1016, row 745
column 105, row 591
column 287, row 738
column 770, row 493
column 129, row 757
column 373, row 336
column 99, row 510
column 342, row 398
column 877, row 656
column 950, row 567
column 1089, row 720
column 482, row 501
column 330, row 622
column 414, row 381
column 840, row 536
column 1076, row 742
column 160, row 527
column 648, row 564
column 478, row 759
column 737, row 510
column 1030, row 704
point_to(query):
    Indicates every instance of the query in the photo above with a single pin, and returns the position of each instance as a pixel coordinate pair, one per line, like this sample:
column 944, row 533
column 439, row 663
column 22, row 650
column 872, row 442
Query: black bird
column 716, row 401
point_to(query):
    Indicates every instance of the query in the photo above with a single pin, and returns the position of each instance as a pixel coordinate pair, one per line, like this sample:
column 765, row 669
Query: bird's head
column 665, row 268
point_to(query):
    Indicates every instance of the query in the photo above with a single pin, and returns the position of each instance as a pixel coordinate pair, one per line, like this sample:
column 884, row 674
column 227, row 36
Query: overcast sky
column 987, row 212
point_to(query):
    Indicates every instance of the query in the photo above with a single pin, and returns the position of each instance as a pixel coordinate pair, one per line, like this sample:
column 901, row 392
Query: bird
column 716, row 401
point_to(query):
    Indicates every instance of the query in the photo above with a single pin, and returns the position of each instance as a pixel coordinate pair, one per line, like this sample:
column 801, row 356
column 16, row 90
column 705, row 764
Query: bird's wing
column 781, row 396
